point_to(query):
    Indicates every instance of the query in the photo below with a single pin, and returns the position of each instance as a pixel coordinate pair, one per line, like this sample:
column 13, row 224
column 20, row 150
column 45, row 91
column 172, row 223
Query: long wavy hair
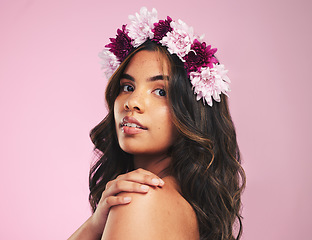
column 205, row 162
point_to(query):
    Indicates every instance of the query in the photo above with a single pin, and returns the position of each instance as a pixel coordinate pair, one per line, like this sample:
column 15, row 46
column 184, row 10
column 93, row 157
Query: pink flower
column 141, row 26
column 209, row 83
column 207, row 76
column 109, row 62
column 179, row 40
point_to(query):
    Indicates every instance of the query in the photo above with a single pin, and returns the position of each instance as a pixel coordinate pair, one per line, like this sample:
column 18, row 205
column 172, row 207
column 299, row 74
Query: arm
column 136, row 222
column 160, row 214
column 138, row 181
column 87, row 231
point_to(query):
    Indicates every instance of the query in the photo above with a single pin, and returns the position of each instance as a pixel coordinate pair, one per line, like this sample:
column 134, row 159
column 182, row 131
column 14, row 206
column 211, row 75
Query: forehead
column 148, row 63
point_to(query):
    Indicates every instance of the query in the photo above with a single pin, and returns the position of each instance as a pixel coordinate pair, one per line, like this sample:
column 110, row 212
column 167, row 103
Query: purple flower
column 200, row 56
column 161, row 29
column 121, row 45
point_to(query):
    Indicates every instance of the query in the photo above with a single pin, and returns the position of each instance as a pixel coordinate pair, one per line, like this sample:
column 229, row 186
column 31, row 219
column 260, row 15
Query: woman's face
column 141, row 111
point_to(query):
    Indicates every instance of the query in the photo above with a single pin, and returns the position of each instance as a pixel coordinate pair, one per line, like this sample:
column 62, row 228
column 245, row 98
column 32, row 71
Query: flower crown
column 208, row 77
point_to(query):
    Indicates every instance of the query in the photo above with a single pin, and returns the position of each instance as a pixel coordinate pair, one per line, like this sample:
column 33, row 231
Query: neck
column 155, row 164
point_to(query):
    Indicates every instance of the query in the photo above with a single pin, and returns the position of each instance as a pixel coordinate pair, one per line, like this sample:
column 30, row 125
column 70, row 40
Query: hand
column 138, row 181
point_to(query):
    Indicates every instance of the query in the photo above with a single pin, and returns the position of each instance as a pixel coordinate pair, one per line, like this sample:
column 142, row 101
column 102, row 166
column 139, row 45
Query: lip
column 131, row 130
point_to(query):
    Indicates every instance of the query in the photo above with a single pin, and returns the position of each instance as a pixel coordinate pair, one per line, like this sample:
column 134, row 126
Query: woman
column 168, row 162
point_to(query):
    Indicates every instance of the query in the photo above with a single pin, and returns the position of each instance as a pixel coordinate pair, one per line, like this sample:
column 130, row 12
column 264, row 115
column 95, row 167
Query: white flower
column 141, row 26
column 210, row 83
column 180, row 39
column 109, row 62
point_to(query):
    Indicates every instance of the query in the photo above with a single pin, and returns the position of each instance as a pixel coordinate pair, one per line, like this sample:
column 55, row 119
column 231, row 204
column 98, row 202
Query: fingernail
column 127, row 199
column 155, row 181
column 144, row 188
column 161, row 182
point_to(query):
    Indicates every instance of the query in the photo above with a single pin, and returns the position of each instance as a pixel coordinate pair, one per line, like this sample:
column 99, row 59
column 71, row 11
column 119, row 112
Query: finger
column 140, row 171
column 143, row 171
column 115, row 200
column 137, row 171
column 125, row 186
column 141, row 176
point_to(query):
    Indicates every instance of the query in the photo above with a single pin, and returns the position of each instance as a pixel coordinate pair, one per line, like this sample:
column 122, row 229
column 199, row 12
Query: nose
column 135, row 102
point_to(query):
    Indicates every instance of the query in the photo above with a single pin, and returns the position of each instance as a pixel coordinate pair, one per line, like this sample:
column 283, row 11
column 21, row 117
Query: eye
column 160, row 92
column 126, row 88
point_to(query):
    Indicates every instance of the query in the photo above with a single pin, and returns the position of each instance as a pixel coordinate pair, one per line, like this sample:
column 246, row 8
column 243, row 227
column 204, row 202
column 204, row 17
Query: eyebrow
column 154, row 78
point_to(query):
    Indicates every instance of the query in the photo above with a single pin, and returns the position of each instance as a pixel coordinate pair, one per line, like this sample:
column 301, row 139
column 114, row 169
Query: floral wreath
column 208, row 77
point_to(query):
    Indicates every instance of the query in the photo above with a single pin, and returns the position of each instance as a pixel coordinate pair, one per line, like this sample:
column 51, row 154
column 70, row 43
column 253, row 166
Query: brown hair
column 205, row 158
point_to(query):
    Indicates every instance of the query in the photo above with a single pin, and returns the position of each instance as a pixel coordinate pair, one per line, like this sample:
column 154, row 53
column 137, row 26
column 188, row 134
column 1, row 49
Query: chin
column 147, row 148
column 131, row 149
column 144, row 151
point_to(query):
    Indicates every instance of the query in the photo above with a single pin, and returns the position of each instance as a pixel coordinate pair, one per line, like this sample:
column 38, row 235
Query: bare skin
column 160, row 214
column 139, row 181
column 135, row 213
column 144, row 129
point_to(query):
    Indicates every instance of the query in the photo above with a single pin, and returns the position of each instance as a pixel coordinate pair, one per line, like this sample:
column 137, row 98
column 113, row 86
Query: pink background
column 51, row 95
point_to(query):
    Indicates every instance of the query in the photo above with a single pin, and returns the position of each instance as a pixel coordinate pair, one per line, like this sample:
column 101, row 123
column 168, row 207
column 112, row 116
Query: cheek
column 173, row 133
column 117, row 112
column 171, row 128
column 116, row 103
column 117, row 106
column 166, row 125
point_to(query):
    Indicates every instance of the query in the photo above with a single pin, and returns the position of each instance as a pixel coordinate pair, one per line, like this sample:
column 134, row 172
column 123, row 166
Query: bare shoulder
column 162, row 213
